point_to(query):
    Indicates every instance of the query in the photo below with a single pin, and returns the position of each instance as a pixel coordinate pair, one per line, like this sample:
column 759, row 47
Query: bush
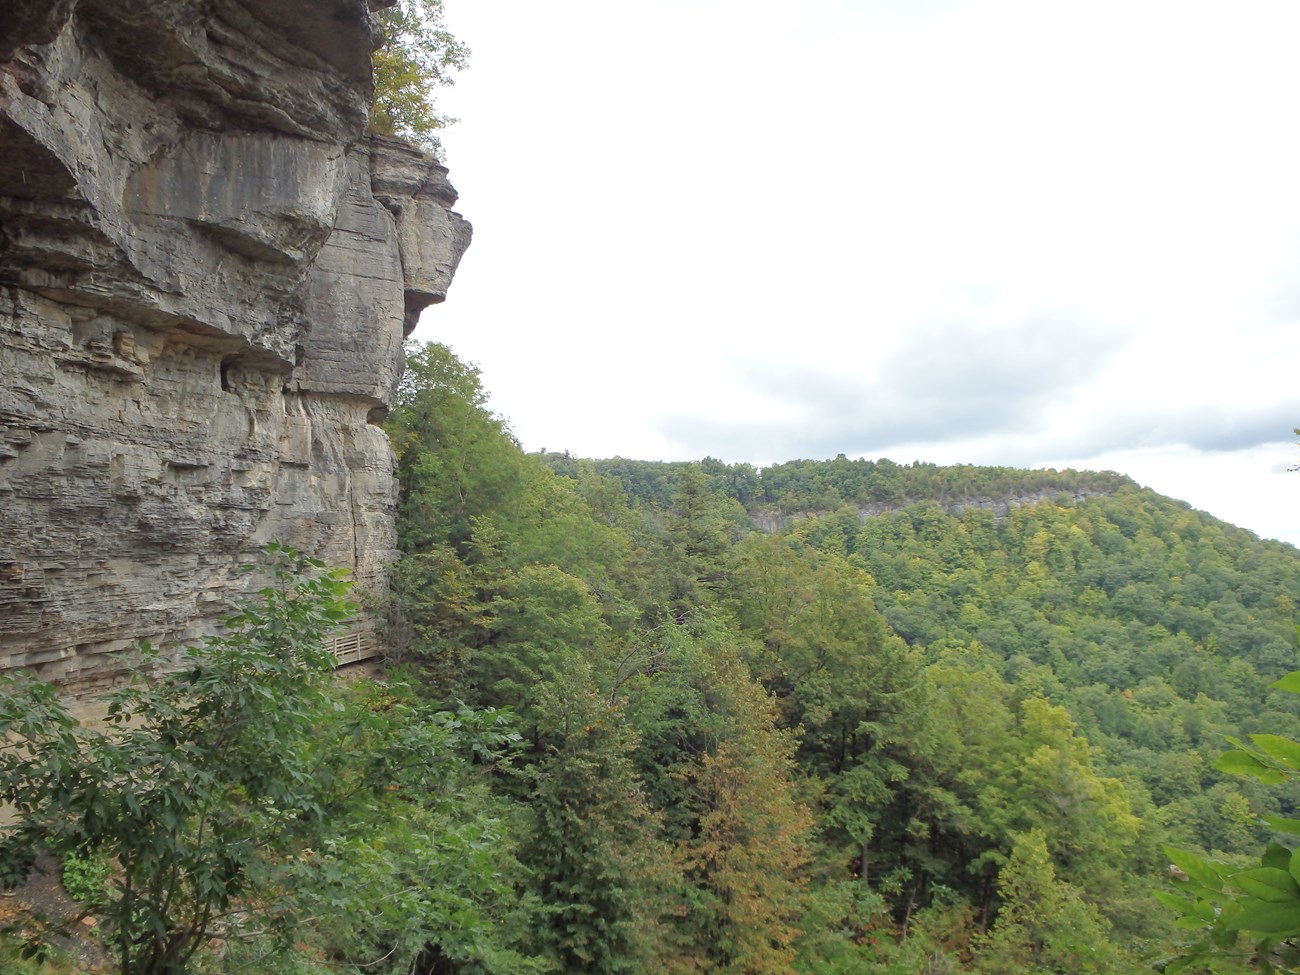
column 85, row 877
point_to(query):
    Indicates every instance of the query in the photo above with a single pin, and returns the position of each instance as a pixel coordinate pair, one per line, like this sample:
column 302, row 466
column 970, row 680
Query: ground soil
column 42, row 908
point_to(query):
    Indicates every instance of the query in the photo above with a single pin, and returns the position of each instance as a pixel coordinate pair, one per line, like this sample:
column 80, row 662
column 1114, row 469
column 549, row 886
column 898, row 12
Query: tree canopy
column 418, row 55
column 970, row 690
column 825, row 718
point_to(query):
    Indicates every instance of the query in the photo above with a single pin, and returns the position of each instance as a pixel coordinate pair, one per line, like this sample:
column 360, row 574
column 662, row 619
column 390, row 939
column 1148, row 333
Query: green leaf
column 1268, row 884
column 1282, row 750
column 1276, row 855
column 1290, row 682
column 1283, row 825
column 1263, row 917
column 1198, row 871
column 1293, row 865
column 1183, row 905
column 1243, row 763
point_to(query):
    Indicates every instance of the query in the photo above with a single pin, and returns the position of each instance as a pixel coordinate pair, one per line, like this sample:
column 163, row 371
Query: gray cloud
column 944, row 383
column 1213, row 429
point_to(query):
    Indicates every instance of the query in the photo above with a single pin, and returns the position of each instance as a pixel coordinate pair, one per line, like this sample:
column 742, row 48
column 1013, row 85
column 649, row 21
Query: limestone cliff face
column 206, row 273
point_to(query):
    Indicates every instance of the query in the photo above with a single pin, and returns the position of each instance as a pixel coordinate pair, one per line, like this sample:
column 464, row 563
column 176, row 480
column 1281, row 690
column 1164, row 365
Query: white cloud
column 991, row 231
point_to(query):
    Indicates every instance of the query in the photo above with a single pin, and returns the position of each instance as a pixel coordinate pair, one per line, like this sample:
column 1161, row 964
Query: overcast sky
column 1027, row 232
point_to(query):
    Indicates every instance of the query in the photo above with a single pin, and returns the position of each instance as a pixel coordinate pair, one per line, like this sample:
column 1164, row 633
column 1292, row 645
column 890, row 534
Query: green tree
column 699, row 529
column 592, row 849
column 418, row 55
column 537, row 617
column 1044, row 925
column 456, row 461
column 431, row 612
column 850, row 687
column 234, row 782
column 748, row 859
column 1248, row 914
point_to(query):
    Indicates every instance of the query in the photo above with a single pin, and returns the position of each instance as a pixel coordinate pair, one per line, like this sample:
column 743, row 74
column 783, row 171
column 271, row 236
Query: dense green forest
column 886, row 737
column 802, row 486
column 826, row 718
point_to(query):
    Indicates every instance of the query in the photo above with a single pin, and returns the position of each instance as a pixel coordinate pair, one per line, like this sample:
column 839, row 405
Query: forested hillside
column 885, row 738
column 802, row 486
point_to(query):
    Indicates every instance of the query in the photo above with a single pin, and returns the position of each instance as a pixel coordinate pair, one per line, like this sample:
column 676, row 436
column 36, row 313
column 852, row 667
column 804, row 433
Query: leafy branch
column 1251, row 915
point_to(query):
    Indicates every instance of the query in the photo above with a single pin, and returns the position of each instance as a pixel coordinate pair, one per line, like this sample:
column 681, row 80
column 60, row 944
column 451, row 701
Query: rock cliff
column 772, row 522
column 207, row 269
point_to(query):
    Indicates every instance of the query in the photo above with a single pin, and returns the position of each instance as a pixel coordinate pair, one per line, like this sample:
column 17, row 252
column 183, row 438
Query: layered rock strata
column 207, row 269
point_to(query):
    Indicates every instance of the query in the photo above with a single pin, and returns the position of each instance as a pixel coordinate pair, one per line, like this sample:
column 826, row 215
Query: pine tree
column 596, row 864
column 1044, row 925
column 748, row 859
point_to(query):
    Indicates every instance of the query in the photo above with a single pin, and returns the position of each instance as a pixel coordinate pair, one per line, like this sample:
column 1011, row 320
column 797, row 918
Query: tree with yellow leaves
column 418, row 55
column 747, row 861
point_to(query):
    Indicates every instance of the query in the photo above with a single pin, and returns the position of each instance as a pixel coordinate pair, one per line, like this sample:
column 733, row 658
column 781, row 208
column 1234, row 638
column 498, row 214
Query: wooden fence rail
column 355, row 644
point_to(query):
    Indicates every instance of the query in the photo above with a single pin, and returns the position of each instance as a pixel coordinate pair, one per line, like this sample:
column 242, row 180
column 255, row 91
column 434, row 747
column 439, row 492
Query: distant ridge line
column 771, row 522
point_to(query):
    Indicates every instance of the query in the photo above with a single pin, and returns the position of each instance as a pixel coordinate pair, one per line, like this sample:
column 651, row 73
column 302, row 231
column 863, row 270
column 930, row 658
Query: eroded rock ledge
column 206, row 273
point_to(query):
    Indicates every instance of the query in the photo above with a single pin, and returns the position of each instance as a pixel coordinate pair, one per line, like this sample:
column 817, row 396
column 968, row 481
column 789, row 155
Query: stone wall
column 207, row 269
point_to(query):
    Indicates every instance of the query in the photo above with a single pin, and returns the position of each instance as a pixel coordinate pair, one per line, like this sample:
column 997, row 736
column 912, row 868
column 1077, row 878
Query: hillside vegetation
column 932, row 720
column 885, row 738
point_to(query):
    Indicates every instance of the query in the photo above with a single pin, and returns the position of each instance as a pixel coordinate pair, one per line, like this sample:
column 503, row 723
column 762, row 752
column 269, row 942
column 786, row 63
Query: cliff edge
column 207, row 269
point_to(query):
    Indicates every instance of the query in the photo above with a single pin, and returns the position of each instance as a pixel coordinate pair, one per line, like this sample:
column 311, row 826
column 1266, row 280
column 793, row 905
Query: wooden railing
column 354, row 644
